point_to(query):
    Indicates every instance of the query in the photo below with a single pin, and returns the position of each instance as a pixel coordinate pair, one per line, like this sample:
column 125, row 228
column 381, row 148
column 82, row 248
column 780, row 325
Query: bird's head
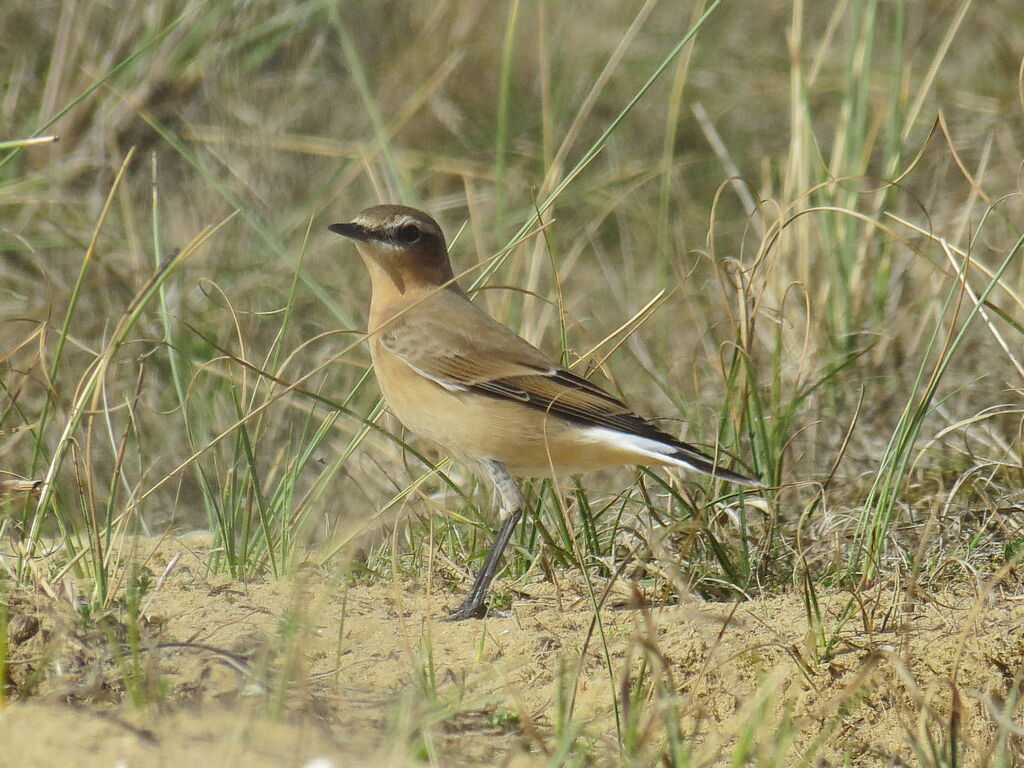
column 400, row 245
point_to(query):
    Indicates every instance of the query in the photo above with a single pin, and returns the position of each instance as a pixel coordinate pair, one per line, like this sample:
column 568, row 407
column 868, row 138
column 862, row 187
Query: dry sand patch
column 279, row 673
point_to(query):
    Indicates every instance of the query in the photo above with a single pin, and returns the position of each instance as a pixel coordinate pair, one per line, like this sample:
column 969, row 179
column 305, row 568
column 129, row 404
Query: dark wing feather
column 563, row 394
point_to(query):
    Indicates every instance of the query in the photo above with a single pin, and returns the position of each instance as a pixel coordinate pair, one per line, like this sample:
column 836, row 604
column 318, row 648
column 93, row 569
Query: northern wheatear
column 456, row 376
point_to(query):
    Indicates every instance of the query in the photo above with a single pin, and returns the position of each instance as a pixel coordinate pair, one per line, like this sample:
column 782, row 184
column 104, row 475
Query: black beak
column 352, row 231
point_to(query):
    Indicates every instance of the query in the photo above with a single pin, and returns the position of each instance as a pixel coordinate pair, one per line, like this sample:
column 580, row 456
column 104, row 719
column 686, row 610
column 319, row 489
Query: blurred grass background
column 753, row 253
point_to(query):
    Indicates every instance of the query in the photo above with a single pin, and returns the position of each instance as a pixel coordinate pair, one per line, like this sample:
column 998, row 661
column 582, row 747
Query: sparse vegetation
column 794, row 234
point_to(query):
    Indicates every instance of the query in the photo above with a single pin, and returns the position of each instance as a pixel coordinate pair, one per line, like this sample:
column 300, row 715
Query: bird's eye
column 408, row 234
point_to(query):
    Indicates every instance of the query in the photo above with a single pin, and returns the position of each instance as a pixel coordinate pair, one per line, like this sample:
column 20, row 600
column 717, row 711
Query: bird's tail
column 686, row 455
column 661, row 448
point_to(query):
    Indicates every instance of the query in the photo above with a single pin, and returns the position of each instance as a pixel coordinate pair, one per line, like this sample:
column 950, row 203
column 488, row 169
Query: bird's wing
column 482, row 356
column 466, row 350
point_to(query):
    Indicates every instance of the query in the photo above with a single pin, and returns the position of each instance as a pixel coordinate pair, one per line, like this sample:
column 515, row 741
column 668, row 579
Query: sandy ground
column 315, row 672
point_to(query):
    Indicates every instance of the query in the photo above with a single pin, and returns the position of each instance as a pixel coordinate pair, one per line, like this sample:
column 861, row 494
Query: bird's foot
column 470, row 609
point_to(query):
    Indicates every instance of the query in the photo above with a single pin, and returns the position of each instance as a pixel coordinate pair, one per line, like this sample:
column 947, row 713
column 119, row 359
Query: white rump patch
column 642, row 446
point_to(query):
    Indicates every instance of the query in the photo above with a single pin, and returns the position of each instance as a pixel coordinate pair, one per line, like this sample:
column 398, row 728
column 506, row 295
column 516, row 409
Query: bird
column 454, row 375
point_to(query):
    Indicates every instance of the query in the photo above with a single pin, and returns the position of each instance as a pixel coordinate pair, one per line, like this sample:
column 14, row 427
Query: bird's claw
column 469, row 610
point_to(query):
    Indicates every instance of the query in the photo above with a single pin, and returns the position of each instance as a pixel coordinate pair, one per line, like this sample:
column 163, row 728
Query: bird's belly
column 472, row 426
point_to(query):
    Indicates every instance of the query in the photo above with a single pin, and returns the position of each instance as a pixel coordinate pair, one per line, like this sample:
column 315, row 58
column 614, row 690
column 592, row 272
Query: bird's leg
column 512, row 504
